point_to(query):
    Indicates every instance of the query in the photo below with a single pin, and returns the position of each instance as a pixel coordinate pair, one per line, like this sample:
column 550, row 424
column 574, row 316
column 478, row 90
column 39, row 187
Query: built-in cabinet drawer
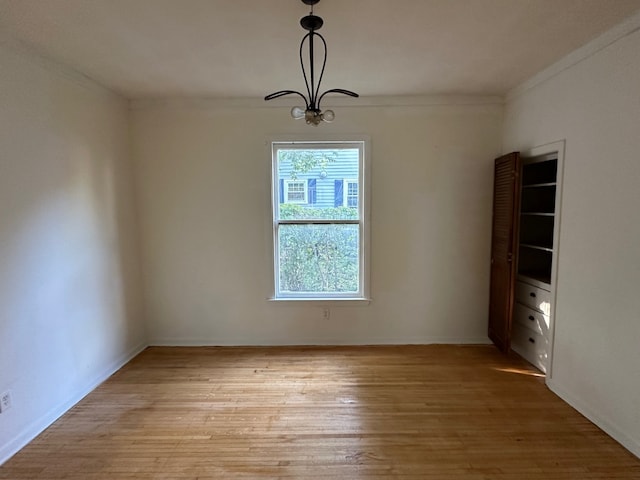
column 532, row 319
column 530, row 328
column 533, row 297
column 532, row 346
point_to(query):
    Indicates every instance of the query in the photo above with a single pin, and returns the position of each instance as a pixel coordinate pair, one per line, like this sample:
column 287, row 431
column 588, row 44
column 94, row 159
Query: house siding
column 345, row 167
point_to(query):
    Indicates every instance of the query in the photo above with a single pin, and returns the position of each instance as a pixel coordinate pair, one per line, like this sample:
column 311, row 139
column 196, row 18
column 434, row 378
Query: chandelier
column 312, row 112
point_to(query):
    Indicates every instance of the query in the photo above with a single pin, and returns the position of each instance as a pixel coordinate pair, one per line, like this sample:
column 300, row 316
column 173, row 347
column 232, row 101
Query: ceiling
column 249, row 48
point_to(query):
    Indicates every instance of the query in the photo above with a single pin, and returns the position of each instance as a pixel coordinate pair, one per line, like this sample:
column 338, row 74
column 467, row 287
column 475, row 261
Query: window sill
column 323, row 302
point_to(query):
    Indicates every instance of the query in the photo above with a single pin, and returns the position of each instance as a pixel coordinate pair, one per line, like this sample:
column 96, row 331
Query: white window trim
column 362, row 296
column 304, row 186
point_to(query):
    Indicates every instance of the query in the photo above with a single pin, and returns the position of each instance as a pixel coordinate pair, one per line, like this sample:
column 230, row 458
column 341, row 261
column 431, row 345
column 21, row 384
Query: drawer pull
column 531, row 317
column 532, row 294
column 532, row 340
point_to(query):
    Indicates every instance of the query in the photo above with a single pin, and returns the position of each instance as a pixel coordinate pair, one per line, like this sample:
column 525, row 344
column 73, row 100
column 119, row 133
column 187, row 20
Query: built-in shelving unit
column 524, row 250
column 537, row 222
column 537, row 219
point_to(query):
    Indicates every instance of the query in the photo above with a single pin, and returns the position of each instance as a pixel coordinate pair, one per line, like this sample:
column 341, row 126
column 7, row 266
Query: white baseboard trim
column 631, row 444
column 253, row 342
column 36, row 427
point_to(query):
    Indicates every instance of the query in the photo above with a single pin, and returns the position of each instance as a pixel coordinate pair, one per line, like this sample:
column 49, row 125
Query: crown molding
column 627, row 27
column 207, row 103
column 55, row 67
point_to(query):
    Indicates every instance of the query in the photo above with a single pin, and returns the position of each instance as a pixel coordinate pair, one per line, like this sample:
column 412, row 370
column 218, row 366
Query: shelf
column 535, row 281
column 536, row 230
column 535, row 263
column 538, row 279
column 538, row 199
column 537, row 247
column 536, row 172
column 543, row 214
column 538, row 185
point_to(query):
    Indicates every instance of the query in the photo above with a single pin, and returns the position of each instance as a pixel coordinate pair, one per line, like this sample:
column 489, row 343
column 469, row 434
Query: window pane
column 312, row 183
column 318, row 258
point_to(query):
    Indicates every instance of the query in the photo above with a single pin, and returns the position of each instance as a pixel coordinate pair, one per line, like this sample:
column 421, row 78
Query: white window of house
column 351, row 193
column 295, row 191
column 320, row 230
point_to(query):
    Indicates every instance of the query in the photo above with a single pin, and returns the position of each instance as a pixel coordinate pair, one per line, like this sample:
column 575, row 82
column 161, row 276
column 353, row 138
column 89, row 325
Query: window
column 351, row 193
column 295, row 191
column 319, row 229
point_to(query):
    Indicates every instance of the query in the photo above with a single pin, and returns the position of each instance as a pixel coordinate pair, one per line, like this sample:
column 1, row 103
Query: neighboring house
column 332, row 183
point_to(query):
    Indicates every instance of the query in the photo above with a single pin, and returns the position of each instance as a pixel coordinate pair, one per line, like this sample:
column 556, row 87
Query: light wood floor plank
column 402, row 412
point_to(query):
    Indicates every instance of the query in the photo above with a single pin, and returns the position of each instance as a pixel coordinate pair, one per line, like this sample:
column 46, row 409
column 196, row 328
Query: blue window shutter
column 311, row 190
column 337, row 194
column 281, row 190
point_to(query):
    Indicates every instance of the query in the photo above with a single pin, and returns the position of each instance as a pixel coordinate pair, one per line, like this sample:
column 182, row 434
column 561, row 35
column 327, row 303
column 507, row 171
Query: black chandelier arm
column 315, row 100
column 282, row 93
column 309, row 80
column 341, row 91
column 304, row 70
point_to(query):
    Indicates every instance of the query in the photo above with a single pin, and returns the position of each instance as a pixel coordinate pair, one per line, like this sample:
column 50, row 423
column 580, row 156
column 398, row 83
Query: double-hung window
column 319, row 220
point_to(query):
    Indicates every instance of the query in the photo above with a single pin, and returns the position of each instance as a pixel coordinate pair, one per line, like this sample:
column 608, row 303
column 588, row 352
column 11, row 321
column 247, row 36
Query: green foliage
column 303, row 161
column 292, row 211
column 318, row 258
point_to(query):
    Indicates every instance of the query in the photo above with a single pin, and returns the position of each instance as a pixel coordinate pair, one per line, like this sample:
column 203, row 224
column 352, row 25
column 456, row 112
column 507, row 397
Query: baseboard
column 36, row 427
column 253, row 342
column 631, row 444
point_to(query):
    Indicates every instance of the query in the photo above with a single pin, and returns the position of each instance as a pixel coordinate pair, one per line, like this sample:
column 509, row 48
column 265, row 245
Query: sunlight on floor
column 520, row 371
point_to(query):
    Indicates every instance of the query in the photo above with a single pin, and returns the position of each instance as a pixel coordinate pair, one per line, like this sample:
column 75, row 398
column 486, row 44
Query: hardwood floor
column 410, row 412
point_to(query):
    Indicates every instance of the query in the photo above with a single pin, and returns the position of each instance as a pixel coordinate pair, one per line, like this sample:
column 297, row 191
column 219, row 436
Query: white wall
column 69, row 302
column 595, row 106
column 203, row 172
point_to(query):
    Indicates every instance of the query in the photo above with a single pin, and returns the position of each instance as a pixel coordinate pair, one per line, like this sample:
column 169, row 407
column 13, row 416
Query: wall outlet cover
column 5, row 401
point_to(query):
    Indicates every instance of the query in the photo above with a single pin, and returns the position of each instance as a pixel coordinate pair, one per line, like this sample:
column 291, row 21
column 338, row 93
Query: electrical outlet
column 326, row 313
column 5, row 402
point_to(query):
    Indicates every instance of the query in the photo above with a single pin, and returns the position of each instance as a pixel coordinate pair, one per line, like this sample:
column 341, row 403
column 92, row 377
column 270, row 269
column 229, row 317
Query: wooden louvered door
column 504, row 238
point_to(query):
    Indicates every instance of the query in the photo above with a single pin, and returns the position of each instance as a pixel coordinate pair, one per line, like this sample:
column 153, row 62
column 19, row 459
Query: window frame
column 362, row 294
